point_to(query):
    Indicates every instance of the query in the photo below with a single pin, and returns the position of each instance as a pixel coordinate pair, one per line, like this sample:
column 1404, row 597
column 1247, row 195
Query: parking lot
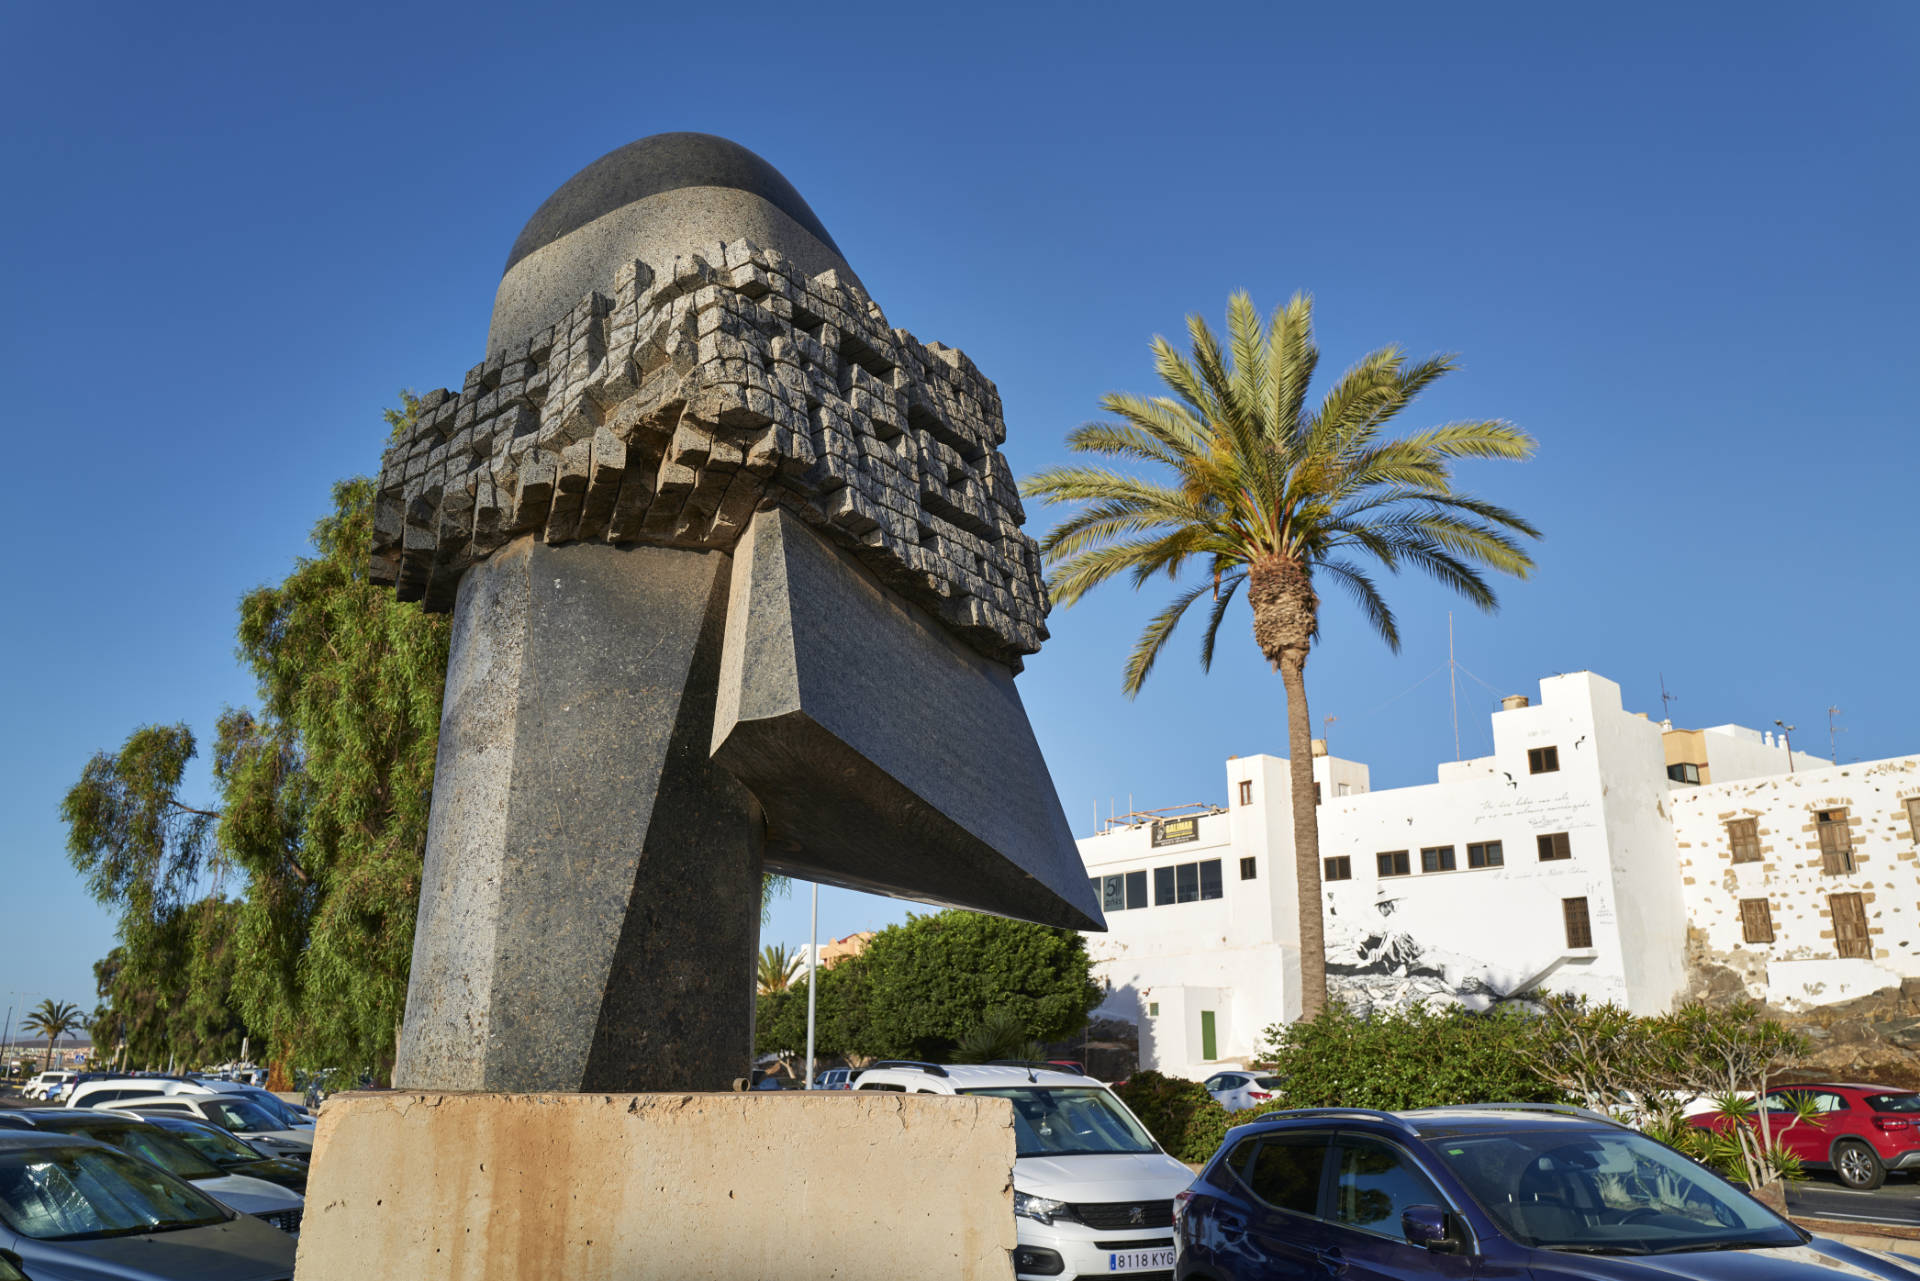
column 1822, row 1196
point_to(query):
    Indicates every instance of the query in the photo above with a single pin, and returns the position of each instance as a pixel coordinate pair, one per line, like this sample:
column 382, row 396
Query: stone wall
column 596, row 1187
column 699, row 393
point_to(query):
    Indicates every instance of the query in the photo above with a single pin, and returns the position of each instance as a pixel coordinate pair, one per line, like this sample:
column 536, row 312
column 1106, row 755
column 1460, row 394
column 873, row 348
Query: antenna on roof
column 1666, row 698
column 1453, row 686
column 1833, row 732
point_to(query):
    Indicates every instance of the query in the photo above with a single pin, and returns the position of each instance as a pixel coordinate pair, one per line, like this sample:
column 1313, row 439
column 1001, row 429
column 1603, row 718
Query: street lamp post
column 813, row 974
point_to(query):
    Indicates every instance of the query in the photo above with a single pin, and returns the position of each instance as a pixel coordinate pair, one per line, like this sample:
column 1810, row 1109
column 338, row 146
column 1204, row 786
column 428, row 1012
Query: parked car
column 1092, row 1191
column 1237, row 1091
column 74, row 1208
column 259, row 1130
column 835, row 1079
column 96, row 1091
column 38, row 1087
column 1864, row 1130
column 1517, row 1191
column 226, row 1150
column 136, row 1136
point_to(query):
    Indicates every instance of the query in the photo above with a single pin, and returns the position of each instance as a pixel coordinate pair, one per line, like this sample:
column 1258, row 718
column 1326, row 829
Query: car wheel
column 1858, row 1166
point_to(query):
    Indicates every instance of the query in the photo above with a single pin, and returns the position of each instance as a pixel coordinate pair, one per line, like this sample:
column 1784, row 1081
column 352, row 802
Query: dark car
column 225, row 1150
column 1863, row 1131
column 1520, row 1193
column 70, row 1207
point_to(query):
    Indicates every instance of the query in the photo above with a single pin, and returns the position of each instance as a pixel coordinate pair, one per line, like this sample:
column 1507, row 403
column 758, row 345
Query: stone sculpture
column 738, row 582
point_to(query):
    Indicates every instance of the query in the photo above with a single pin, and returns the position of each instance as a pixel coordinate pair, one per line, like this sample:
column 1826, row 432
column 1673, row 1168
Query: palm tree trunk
column 1284, row 613
column 1306, row 838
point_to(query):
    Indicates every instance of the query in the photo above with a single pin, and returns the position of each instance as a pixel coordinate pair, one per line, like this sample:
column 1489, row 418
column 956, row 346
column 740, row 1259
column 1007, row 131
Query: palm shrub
column 1000, row 1034
column 53, row 1020
column 1255, row 489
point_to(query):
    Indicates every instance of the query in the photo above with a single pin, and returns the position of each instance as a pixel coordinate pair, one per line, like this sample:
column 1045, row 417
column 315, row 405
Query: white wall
column 1802, row 967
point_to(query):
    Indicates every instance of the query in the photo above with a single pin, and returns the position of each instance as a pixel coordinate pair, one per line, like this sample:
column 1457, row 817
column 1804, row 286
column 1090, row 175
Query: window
column 1153, row 1009
column 1393, row 863
column 1756, row 920
column 1579, row 930
column 1246, row 791
column 891, row 1089
column 1743, row 838
column 1285, row 1170
column 1684, row 773
column 1337, row 868
column 1210, row 879
column 1849, row 912
column 1249, row 869
column 1186, row 877
column 1486, row 854
column 1375, row 1185
column 1122, row 890
column 1163, row 892
column 1543, row 760
column 1554, row 845
column 1436, row 858
column 1187, row 883
column 1913, row 817
column 1836, row 841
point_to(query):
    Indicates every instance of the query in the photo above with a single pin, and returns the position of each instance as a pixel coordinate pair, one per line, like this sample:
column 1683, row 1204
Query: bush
column 1187, row 1121
column 1402, row 1059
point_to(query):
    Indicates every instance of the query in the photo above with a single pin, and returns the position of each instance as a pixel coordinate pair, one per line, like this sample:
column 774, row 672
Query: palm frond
column 1146, row 650
column 1357, row 584
column 1223, row 597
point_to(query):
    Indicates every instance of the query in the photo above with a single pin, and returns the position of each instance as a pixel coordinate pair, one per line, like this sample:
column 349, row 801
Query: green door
column 1208, row 1050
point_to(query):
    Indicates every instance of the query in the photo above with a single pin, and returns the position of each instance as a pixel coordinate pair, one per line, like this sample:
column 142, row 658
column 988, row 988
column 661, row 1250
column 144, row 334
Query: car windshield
column 151, row 1144
column 241, row 1116
column 1615, row 1192
column 214, row 1144
column 289, row 1119
column 1268, row 1082
column 80, row 1193
column 1894, row 1102
column 1080, row 1121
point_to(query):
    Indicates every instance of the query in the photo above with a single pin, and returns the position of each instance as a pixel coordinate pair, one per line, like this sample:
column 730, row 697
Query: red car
column 1864, row 1130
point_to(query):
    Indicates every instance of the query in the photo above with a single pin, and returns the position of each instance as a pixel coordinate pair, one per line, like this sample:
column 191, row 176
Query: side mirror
column 1426, row 1226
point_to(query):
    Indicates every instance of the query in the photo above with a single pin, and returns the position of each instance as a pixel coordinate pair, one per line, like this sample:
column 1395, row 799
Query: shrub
column 1414, row 1058
column 1187, row 1121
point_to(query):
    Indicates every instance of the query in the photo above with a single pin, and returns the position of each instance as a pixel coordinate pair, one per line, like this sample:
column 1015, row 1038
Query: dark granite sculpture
column 738, row 582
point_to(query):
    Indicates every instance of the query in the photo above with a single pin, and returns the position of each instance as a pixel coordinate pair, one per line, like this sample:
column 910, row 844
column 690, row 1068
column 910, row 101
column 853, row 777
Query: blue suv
column 1531, row 1193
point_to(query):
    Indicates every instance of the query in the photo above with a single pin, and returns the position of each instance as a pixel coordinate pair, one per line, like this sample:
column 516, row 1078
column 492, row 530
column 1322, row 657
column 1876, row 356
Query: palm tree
column 777, row 969
column 1260, row 490
column 52, row 1020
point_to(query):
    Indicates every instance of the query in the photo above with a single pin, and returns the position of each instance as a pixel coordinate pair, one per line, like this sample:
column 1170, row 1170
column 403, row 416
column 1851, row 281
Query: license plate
column 1139, row 1260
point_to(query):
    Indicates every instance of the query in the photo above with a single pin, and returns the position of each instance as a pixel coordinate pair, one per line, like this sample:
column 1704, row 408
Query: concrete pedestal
column 489, row 1187
column 589, row 914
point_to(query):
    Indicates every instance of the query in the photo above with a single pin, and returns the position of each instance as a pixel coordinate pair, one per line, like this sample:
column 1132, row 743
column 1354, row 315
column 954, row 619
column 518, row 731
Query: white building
column 1548, row 865
column 1806, row 885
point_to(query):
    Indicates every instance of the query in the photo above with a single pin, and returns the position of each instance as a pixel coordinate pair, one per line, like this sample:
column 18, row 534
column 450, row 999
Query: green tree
column 1259, row 490
column 927, row 983
column 53, row 1020
column 998, row 1035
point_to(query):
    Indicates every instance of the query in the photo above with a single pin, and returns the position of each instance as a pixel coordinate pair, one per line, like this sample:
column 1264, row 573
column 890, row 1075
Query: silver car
column 71, row 1208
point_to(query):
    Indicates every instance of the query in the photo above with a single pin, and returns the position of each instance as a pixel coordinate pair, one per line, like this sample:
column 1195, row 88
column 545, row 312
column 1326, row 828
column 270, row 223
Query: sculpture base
column 504, row 1187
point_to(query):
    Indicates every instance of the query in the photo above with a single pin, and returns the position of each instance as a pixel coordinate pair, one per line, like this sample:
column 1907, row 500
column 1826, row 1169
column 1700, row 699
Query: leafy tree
column 1257, row 489
column 174, row 995
column 1181, row 1116
column 998, row 1035
column 930, row 981
column 53, row 1020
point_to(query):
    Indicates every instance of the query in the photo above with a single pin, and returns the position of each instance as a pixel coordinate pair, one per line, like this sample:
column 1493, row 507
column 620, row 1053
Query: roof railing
column 1563, row 1109
column 1034, row 1065
column 931, row 1069
column 1358, row 1114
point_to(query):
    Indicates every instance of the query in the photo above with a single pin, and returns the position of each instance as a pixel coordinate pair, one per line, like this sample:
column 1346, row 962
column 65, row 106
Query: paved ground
column 1896, row 1201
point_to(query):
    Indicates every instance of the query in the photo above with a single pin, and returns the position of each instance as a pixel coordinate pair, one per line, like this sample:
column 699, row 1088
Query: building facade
column 1805, row 885
column 1548, row 865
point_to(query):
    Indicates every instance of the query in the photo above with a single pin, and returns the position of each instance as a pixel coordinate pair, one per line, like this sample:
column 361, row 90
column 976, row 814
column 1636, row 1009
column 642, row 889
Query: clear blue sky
column 1674, row 242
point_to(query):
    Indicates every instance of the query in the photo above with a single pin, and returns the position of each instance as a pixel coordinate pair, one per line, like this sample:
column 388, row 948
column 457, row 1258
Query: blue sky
column 1674, row 242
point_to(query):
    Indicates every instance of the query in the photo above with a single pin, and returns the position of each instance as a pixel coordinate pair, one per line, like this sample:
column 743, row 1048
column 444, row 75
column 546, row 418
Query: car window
column 1894, row 1102
column 1826, row 1102
column 240, row 1116
column 1284, row 1171
column 882, row 1085
column 166, row 1107
column 64, row 1194
column 1374, row 1183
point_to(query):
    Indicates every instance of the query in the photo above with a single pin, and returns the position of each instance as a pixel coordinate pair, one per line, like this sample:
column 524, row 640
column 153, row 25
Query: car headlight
column 1038, row 1208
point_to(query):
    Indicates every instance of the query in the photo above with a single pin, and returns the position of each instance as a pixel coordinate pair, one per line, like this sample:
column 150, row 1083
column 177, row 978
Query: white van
column 1092, row 1191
